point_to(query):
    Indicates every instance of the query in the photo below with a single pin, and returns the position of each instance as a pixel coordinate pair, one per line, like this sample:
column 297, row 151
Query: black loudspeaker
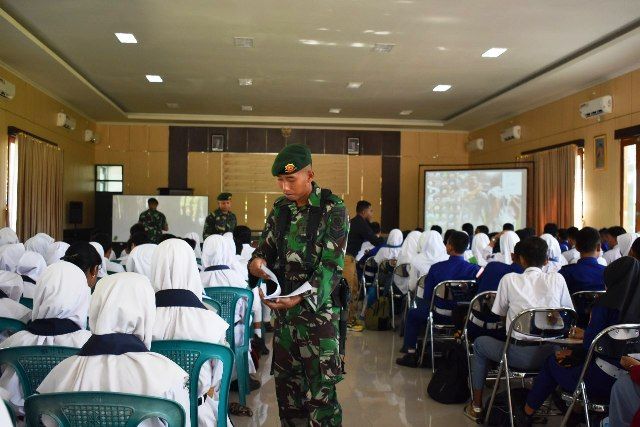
column 75, row 212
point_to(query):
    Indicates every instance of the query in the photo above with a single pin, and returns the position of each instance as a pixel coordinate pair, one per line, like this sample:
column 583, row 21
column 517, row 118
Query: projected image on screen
column 490, row 197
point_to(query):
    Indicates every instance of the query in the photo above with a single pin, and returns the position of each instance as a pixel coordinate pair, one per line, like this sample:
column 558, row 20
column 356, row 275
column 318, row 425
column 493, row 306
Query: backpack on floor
column 378, row 316
column 449, row 383
column 500, row 412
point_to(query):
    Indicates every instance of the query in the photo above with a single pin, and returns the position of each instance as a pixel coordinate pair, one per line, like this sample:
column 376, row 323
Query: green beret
column 291, row 159
column 224, row 197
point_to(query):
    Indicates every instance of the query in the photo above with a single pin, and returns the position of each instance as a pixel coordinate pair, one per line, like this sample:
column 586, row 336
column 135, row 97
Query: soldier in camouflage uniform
column 153, row 221
column 221, row 220
column 306, row 362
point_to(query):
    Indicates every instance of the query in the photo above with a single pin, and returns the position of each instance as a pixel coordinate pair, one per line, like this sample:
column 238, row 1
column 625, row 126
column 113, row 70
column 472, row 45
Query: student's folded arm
column 333, row 244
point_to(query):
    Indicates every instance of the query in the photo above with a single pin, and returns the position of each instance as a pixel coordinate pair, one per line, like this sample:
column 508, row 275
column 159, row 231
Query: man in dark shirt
column 586, row 274
column 359, row 232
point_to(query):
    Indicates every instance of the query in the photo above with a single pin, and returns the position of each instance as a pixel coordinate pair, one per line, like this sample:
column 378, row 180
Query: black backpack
column 449, row 383
column 500, row 412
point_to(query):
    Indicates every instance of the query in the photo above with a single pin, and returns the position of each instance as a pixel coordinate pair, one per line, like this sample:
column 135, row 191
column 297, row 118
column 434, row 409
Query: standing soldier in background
column 153, row 221
column 303, row 241
column 222, row 219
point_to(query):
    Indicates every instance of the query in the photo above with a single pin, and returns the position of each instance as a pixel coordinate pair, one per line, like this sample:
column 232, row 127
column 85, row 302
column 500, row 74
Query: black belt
column 525, row 343
column 202, row 399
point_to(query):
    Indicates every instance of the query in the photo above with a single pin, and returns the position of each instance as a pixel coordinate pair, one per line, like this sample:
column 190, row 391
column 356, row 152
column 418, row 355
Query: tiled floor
column 375, row 391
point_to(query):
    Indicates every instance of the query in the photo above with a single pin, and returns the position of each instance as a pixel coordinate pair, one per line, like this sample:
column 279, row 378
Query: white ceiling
column 68, row 47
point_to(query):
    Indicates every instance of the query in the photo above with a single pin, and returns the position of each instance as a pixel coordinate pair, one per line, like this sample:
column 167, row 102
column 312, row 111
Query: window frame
column 95, row 187
column 624, row 142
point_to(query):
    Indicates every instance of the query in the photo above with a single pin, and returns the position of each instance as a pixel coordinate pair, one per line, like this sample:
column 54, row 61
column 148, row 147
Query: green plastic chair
column 27, row 302
column 190, row 356
column 95, row 408
column 33, row 363
column 228, row 297
column 11, row 325
column 215, row 305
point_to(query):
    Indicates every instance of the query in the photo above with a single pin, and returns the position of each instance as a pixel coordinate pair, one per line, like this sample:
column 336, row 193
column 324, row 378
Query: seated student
column 625, row 241
column 102, row 271
column 30, row 267
column 518, row 292
column 368, row 249
column 140, row 255
column 8, row 236
column 523, row 233
column 624, row 405
column 507, row 226
column 615, row 306
column 39, row 243
column 455, row 268
column 555, row 259
column 242, row 238
column 612, row 241
column 467, row 227
column 572, row 253
column 180, row 315
column 507, row 240
column 59, row 318
column 85, row 257
column 10, row 292
column 587, row 274
column 479, row 245
column 604, row 238
column 116, row 358
column 408, row 252
column 391, row 248
column 432, row 250
column 137, row 236
column 234, row 260
column 563, row 239
column 436, row 228
column 10, row 255
column 55, row 252
column 107, row 245
column 197, row 248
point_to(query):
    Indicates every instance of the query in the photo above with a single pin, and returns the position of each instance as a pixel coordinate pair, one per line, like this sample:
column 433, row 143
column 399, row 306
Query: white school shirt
column 612, row 254
column 531, row 289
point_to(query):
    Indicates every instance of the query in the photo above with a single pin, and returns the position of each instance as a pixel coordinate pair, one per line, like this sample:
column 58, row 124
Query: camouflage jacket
column 154, row 222
column 328, row 260
column 219, row 222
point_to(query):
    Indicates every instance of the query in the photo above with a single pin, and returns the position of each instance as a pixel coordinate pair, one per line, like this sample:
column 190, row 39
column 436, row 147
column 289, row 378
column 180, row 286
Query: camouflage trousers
column 306, row 366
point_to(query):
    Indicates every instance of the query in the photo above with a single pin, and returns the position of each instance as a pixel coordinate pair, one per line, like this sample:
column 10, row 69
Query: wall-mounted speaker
column 75, row 213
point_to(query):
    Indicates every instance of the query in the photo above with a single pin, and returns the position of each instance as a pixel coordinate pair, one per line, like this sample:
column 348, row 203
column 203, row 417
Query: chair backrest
column 458, row 291
column 402, row 270
column 33, row 363
column 617, row 341
column 27, row 302
column 92, row 408
column 544, row 323
column 370, row 270
column 228, row 297
column 214, row 305
column 12, row 325
column 190, row 356
column 583, row 302
column 480, row 305
column 387, row 265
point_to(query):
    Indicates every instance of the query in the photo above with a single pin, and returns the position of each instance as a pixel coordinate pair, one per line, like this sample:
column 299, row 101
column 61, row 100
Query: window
column 630, row 183
column 12, row 184
column 109, row 178
column 578, row 194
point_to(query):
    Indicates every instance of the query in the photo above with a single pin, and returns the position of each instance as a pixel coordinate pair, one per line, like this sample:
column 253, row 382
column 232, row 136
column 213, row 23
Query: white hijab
column 122, row 303
column 215, row 251
column 392, row 249
column 478, row 245
column 56, row 251
column 174, row 267
column 103, row 266
column 11, row 284
column 39, row 243
column 8, row 236
column 508, row 242
column 196, row 237
column 10, row 255
column 31, row 264
column 409, row 248
column 433, row 250
column 625, row 241
column 140, row 258
column 234, row 260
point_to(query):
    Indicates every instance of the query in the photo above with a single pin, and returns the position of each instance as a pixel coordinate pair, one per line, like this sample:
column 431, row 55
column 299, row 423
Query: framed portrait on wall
column 600, row 151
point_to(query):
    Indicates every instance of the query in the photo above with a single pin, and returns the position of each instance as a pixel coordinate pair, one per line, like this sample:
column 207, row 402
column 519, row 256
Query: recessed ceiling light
column 247, row 108
column 309, row 42
column 245, row 82
column 494, row 52
column 383, row 47
column 368, row 31
column 319, row 80
column 406, row 112
column 354, row 85
column 153, row 78
column 172, row 105
column 441, row 48
column 382, row 33
column 335, row 110
column 357, row 44
column 322, row 29
column 126, row 38
column 441, row 88
column 243, row 41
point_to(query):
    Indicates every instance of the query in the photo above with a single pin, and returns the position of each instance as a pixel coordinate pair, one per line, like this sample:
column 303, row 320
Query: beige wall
column 559, row 122
column 35, row 112
column 142, row 150
column 424, row 148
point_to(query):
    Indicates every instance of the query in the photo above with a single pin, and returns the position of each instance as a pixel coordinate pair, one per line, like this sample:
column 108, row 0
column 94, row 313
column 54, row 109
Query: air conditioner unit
column 65, row 121
column 596, row 107
column 475, row 145
column 510, row 134
column 7, row 89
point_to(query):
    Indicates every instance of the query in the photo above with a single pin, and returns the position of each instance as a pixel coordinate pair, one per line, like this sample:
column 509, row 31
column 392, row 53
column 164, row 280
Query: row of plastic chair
column 33, row 363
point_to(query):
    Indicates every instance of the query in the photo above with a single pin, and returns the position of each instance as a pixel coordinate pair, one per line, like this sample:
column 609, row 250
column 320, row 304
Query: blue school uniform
column 493, row 273
column 585, row 275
